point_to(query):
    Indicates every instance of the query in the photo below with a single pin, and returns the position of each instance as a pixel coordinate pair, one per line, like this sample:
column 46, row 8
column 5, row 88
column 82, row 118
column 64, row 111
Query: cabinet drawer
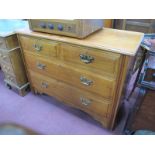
column 4, row 57
column 8, row 43
column 7, row 68
column 85, row 100
column 2, row 43
column 39, row 46
column 83, row 79
column 91, row 59
column 10, row 78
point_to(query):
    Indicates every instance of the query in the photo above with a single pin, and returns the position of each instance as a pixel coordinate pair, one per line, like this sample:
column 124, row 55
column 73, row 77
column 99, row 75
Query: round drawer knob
column 60, row 27
column 43, row 25
column 51, row 26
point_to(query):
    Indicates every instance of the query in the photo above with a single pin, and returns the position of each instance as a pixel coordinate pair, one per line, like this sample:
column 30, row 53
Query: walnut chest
column 88, row 74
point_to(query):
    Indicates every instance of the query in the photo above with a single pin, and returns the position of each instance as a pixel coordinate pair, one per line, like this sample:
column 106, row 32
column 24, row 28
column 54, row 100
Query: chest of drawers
column 87, row 74
column 12, row 64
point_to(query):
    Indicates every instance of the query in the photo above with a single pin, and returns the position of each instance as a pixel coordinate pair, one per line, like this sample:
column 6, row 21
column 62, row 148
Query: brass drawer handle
column 44, row 85
column 38, row 48
column 86, row 58
column 85, row 101
column 41, row 66
column 85, row 81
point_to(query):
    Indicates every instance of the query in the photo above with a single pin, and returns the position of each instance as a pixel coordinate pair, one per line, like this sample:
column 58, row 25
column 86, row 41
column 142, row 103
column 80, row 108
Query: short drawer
column 8, row 43
column 84, row 100
column 4, row 57
column 10, row 78
column 7, row 68
column 83, row 79
column 91, row 59
column 2, row 43
column 39, row 46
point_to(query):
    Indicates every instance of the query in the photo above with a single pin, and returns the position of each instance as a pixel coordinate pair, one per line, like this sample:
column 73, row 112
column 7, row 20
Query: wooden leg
column 21, row 93
column 133, row 110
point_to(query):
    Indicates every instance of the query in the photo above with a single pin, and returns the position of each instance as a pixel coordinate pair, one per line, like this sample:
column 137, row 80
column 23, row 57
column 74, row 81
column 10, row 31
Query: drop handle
column 86, row 58
column 41, row 66
column 85, row 101
column 37, row 47
column 44, row 85
column 85, row 81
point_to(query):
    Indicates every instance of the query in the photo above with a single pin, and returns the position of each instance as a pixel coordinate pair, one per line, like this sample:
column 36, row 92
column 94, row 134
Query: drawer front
column 101, row 85
column 7, row 68
column 12, row 42
column 10, row 78
column 84, row 100
column 2, row 43
column 9, row 42
column 39, row 46
column 91, row 59
column 4, row 57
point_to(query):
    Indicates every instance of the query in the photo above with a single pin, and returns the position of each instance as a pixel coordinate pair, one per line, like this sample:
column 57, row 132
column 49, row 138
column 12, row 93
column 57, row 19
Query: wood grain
column 69, row 94
column 80, row 28
column 107, row 72
column 47, row 48
column 104, row 86
column 118, row 41
column 11, row 62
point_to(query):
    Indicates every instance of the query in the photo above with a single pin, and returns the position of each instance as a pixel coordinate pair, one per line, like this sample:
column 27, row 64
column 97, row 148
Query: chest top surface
column 118, row 41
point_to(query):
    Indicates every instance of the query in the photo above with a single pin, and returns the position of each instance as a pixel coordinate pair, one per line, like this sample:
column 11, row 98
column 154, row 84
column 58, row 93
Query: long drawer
column 71, row 95
column 86, row 80
column 40, row 46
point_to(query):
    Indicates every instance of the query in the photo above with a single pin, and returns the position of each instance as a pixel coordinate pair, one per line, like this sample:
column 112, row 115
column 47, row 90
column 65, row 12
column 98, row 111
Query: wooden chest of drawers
column 12, row 64
column 87, row 74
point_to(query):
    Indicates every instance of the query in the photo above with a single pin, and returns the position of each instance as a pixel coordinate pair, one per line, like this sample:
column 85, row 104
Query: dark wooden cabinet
column 142, row 113
column 145, row 117
column 139, row 25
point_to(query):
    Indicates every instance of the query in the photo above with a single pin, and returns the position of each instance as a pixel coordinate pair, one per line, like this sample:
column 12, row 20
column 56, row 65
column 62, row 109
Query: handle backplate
column 85, row 101
column 85, row 81
column 86, row 58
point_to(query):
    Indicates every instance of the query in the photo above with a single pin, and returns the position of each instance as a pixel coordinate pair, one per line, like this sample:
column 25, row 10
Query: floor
column 46, row 115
